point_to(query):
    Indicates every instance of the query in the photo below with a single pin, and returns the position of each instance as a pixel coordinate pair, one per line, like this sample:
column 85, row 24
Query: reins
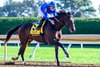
column 58, row 21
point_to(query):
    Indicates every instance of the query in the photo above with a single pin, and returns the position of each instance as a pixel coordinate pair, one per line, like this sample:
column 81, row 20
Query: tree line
column 29, row 8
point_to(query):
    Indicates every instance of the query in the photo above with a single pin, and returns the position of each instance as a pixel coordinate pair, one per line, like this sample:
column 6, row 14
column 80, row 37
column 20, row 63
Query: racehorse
column 49, row 30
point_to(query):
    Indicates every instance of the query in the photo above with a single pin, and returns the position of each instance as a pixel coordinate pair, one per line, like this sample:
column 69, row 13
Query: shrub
column 83, row 25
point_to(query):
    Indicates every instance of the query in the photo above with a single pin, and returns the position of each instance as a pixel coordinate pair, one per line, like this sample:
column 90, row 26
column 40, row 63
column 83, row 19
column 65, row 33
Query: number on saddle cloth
column 35, row 32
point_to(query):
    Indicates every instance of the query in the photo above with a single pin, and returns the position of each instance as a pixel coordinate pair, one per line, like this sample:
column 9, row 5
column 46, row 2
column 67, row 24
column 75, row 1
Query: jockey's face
column 51, row 8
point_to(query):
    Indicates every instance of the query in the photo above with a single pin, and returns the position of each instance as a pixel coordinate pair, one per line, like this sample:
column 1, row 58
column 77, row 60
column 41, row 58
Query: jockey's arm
column 44, row 10
column 46, row 17
column 45, row 14
column 54, row 13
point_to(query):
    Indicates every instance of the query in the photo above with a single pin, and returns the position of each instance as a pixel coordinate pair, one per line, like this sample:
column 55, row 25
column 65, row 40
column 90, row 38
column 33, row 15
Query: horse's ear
column 73, row 13
column 68, row 13
column 58, row 13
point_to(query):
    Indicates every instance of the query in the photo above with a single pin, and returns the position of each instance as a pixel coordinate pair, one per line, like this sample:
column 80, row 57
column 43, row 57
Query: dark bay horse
column 62, row 19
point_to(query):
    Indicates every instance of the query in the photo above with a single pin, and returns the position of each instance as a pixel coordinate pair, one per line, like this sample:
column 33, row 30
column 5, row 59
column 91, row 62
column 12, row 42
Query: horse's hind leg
column 24, row 42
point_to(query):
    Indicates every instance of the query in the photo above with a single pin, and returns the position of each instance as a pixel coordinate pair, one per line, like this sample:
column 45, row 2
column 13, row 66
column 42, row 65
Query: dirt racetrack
column 48, row 64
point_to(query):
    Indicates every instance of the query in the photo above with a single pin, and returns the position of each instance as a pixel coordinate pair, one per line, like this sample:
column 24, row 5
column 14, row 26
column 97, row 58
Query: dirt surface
column 47, row 64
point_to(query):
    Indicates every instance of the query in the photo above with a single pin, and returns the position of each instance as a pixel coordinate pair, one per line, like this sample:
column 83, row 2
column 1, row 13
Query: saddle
column 35, row 32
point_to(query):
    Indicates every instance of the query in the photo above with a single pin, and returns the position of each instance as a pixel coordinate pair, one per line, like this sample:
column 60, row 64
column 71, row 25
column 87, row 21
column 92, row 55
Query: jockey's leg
column 40, row 24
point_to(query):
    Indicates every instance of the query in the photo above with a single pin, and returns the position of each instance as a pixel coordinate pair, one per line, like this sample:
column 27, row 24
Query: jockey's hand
column 52, row 22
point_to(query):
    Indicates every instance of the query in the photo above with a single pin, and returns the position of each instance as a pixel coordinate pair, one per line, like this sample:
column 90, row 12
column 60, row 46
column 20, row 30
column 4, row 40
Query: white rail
column 66, row 39
column 63, row 42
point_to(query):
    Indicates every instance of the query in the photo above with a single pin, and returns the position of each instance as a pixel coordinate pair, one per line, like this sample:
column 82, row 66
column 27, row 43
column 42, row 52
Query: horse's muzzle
column 72, row 30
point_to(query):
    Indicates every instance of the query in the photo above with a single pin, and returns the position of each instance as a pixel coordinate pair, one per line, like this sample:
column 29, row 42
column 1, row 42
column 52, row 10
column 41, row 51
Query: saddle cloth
column 35, row 32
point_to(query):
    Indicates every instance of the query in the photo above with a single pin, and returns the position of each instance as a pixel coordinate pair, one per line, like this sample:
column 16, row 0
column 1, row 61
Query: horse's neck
column 58, row 25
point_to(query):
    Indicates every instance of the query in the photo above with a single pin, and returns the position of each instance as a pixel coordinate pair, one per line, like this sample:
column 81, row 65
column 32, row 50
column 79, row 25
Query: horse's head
column 67, row 20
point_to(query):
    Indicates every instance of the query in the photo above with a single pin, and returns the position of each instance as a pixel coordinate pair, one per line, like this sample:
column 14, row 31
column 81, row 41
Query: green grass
column 77, row 55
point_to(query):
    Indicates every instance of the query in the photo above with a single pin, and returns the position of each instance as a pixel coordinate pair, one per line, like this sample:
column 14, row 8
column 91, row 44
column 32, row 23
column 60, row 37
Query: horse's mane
column 63, row 12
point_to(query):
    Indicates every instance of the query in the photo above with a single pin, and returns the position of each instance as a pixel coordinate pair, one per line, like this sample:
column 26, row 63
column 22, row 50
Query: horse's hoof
column 30, row 56
column 24, row 62
column 58, row 64
column 67, row 56
column 14, row 58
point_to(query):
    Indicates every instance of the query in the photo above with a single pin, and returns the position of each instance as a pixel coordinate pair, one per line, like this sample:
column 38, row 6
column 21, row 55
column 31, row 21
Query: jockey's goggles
column 51, row 7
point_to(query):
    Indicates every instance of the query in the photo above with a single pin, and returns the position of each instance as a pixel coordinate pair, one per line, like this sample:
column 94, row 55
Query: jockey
column 45, row 11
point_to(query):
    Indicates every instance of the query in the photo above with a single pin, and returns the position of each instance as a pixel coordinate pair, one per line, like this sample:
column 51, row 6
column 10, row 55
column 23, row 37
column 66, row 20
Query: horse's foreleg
column 55, row 42
column 58, row 35
column 56, row 54
column 66, row 53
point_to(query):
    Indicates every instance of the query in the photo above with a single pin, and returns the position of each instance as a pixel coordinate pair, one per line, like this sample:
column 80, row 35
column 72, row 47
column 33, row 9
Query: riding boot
column 43, row 38
column 40, row 24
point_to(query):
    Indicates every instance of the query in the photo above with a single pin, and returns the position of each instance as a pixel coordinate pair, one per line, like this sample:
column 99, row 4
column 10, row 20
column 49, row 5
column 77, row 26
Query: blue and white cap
column 52, row 4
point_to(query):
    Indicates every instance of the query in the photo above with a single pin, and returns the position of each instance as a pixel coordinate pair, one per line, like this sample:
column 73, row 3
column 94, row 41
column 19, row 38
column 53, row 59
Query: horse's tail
column 10, row 32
